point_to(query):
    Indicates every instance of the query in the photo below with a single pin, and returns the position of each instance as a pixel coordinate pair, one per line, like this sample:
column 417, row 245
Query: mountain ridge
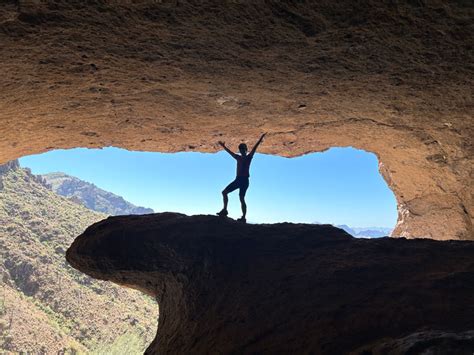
column 90, row 195
column 366, row 232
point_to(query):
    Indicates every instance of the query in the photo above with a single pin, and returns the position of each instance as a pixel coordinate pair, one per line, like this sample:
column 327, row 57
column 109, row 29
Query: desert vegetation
column 45, row 305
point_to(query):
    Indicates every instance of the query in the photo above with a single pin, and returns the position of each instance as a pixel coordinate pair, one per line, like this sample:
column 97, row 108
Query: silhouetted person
column 241, row 181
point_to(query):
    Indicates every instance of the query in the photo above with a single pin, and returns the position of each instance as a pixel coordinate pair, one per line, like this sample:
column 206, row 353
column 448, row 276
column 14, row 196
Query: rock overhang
column 392, row 79
column 228, row 287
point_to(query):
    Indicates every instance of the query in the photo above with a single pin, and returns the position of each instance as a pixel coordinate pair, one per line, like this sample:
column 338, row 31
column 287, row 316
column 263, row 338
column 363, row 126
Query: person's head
column 243, row 148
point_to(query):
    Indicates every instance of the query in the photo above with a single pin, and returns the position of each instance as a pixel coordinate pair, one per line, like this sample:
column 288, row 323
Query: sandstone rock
column 227, row 287
column 392, row 78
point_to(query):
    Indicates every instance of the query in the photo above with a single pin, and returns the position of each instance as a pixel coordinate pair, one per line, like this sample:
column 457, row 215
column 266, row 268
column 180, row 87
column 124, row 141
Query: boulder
column 227, row 287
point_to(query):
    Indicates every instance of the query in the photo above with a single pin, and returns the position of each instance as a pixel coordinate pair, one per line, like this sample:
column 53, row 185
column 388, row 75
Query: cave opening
column 340, row 186
column 47, row 200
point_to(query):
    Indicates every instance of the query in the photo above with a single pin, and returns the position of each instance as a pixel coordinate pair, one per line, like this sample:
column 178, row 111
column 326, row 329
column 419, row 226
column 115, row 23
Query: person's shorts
column 240, row 182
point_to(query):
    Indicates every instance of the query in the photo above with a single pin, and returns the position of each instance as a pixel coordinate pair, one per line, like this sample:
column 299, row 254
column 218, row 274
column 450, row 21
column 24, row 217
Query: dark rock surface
column 226, row 287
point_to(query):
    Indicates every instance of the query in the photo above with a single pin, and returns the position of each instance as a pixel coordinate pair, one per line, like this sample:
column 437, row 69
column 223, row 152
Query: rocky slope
column 45, row 305
column 91, row 196
column 390, row 77
column 227, row 287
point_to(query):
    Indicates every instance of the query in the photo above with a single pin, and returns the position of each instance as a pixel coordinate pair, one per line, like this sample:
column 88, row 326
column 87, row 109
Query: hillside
column 91, row 196
column 45, row 305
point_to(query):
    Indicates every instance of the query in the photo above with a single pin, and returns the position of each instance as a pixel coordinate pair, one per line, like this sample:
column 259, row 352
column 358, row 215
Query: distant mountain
column 91, row 196
column 366, row 232
column 373, row 232
column 347, row 229
column 46, row 306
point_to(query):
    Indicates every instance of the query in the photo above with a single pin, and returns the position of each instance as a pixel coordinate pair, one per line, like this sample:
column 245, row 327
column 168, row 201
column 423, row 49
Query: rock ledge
column 226, row 287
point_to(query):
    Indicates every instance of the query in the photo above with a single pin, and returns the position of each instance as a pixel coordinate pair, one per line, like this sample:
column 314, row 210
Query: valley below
column 45, row 305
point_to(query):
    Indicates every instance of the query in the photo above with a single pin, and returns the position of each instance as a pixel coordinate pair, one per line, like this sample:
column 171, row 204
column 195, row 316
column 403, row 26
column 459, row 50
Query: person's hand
column 222, row 144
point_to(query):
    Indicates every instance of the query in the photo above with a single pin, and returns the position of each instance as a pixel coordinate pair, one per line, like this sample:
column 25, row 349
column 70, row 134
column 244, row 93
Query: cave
column 392, row 78
column 172, row 76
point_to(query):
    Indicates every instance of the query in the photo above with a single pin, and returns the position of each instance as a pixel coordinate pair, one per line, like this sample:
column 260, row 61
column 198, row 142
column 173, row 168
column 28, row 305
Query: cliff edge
column 227, row 287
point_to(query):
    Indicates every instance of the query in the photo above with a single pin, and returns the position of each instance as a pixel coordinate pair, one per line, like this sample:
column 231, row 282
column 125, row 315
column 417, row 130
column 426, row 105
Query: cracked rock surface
column 392, row 78
column 227, row 287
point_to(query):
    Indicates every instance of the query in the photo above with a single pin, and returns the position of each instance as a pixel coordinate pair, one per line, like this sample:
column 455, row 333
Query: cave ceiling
column 392, row 78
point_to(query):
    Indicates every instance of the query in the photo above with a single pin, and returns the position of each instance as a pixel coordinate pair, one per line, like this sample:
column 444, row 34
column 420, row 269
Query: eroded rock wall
column 230, row 288
column 393, row 78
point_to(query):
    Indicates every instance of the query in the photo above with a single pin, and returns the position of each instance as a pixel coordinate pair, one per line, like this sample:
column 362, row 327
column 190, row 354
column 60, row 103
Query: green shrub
column 130, row 344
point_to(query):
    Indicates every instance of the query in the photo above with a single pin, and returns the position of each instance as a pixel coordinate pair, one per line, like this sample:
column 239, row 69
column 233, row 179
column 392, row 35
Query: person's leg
column 243, row 190
column 231, row 187
column 226, row 199
column 243, row 205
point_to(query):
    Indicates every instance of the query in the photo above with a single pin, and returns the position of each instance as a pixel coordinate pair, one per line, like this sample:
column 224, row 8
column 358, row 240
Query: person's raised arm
column 254, row 149
column 222, row 144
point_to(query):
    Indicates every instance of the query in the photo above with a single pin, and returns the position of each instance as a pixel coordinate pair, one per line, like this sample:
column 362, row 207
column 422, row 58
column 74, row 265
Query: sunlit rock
column 393, row 78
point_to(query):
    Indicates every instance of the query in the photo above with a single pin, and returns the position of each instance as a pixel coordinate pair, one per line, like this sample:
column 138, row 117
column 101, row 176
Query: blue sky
column 339, row 186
